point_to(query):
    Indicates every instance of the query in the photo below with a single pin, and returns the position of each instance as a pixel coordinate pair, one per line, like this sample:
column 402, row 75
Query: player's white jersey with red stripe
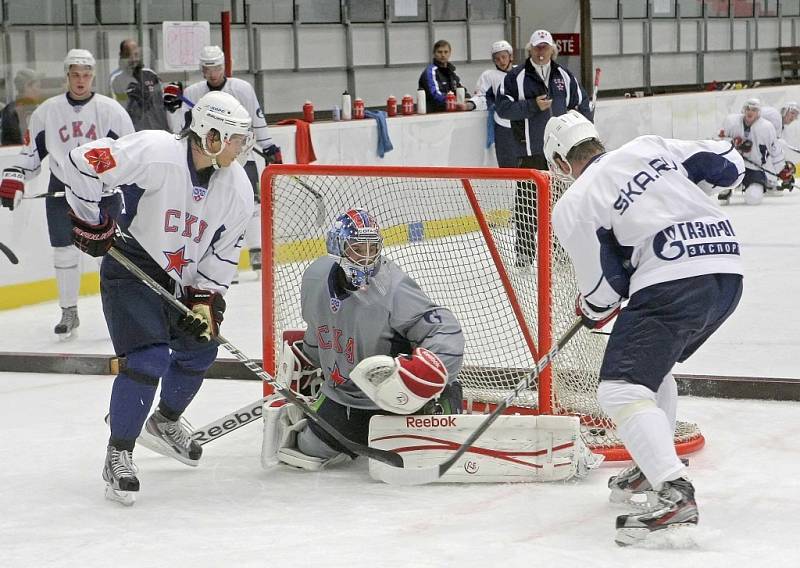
column 60, row 124
column 191, row 225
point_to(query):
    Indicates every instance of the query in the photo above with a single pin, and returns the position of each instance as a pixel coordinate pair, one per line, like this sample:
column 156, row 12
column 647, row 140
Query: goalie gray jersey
column 389, row 317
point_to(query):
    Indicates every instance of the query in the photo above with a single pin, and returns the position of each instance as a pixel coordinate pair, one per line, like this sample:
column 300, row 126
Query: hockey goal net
column 453, row 230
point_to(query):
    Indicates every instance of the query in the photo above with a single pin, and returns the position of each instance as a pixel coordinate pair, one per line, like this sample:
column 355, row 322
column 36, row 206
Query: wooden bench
column 789, row 58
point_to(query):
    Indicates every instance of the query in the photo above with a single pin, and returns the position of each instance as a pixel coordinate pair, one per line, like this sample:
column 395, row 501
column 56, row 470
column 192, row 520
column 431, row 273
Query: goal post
column 466, row 235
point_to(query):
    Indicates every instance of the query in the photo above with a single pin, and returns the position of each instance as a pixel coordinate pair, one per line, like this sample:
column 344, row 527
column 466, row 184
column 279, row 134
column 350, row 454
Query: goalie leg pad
column 287, row 439
column 514, row 448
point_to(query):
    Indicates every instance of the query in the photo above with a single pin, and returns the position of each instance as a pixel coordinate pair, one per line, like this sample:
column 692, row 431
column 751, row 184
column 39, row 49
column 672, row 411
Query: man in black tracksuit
column 533, row 93
column 439, row 78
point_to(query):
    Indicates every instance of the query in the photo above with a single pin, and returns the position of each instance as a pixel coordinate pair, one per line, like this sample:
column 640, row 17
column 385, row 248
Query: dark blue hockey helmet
column 355, row 240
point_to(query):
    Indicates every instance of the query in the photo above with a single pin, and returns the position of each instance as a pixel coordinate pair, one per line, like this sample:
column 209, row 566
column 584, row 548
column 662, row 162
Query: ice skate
column 724, row 196
column 171, row 439
column 631, row 487
column 676, row 508
column 67, row 327
column 119, row 472
column 255, row 259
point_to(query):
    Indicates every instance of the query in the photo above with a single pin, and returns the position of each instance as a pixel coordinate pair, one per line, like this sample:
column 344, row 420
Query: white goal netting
column 464, row 235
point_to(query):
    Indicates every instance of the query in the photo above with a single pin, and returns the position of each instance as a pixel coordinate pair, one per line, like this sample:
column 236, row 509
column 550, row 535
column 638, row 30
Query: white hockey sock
column 66, row 261
column 643, row 428
column 667, row 399
column 754, row 194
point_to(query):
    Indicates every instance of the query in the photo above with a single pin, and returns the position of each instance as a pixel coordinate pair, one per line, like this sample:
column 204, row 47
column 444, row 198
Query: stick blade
column 406, row 476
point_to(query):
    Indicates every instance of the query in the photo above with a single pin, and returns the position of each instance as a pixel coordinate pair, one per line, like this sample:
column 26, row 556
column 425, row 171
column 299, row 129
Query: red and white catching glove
column 402, row 384
column 593, row 317
column 12, row 187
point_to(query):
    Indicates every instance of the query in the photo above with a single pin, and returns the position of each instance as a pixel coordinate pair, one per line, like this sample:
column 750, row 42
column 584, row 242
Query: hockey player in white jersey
column 58, row 125
column 187, row 204
column 361, row 310
column 212, row 65
column 781, row 118
column 756, row 140
column 489, row 88
column 638, row 225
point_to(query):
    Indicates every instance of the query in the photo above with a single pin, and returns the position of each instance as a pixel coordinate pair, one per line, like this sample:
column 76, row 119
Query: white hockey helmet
column 82, row 57
column 212, row 56
column 502, row 45
column 752, row 104
column 222, row 112
column 562, row 133
column 790, row 106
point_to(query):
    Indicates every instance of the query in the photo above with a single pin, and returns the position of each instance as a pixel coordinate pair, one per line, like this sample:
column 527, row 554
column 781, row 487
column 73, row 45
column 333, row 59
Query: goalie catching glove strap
column 592, row 316
column 94, row 240
column 207, row 314
column 403, row 384
column 12, row 187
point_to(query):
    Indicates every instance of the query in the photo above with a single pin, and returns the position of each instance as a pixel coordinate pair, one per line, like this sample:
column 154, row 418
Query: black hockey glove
column 94, row 240
column 172, row 96
column 207, row 314
column 272, row 155
column 742, row 145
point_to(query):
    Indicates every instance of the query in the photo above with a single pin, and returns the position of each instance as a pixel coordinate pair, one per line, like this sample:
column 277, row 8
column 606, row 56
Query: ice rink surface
column 230, row 512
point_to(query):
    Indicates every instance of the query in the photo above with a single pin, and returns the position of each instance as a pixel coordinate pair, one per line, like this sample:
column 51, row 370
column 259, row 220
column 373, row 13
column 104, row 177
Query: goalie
column 381, row 344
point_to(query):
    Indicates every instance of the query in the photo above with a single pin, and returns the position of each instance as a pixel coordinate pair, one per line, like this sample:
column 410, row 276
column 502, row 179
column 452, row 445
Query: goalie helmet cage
column 455, row 231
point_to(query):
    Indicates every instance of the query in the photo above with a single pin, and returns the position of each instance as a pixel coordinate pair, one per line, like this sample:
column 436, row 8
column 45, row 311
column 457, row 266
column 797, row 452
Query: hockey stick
column 9, row 253
column 384, row 456
column 64, row 193
column 422, row 475
column 229, row 422
column 766, row 171
column 322, row 218
column 593, row 102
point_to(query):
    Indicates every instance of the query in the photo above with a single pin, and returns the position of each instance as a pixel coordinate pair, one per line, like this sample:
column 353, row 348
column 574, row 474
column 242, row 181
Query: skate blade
column 69, row 336
column 639, row 536
column 158, row 446
column 126, row 498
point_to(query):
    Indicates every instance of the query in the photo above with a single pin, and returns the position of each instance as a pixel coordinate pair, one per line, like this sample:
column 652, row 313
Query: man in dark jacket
column 439, row 78
column 533, row 93
column 138, row 89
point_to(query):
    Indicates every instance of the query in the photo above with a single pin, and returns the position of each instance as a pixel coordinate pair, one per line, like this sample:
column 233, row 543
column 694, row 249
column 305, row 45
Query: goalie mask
column 223, row 113
column 355, row 240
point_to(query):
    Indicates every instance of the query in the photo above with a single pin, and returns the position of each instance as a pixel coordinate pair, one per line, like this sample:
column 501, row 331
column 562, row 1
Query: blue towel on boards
column 490, row 125
column 384, row 143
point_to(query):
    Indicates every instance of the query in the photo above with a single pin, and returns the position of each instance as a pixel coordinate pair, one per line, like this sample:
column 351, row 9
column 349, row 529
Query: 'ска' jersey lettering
column 641, row 215
column 60, row 124
column 190, row 230
column 387, row 318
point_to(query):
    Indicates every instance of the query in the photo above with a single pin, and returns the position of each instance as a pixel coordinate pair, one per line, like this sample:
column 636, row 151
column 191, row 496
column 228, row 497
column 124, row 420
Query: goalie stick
column 391, row 458
column 422, row 475
column 9, row 253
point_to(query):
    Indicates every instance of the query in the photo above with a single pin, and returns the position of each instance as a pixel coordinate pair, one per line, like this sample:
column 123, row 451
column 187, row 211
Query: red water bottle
column 391, row 106
column 308, row 112
column 450, row 101
column 358, row 109
column 408, row 105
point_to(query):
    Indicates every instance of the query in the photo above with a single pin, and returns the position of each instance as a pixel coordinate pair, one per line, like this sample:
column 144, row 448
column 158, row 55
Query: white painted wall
column 432, row 140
